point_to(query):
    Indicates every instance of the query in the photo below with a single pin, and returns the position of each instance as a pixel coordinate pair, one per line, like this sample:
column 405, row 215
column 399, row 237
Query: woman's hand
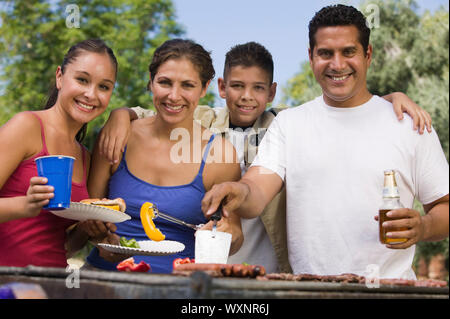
column 111, row 239
column 84, row 231
column 100, row 232
column 96, row 229
column 223, row 225
column 230, row 225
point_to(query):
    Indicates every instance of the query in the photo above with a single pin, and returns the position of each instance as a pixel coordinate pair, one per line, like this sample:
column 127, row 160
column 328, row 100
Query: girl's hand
column 38, row 195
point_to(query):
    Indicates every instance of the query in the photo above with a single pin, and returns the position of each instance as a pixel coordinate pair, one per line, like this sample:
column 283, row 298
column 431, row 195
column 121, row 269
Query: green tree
column 302, row 88
column 34, row 37
column 430, row 61
column 411, row 55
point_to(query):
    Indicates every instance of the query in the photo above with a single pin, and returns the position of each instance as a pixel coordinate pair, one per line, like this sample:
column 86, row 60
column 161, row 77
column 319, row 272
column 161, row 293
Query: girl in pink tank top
column 30, row 235
column 36, row 240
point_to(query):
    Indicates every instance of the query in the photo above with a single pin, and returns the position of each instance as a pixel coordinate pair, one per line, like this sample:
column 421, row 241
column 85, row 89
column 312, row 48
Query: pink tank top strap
column 44, row 145
column 45, row 151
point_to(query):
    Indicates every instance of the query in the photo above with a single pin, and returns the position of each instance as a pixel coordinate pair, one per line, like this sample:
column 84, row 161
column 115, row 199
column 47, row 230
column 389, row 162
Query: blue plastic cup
column 58, row 170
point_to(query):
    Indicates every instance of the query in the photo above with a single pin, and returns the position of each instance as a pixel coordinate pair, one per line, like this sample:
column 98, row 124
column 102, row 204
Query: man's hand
column 408, row 219
column 234, row 193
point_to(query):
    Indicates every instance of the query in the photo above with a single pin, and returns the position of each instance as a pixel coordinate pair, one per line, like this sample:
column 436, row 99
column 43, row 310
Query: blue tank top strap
column 205, row 155
column 123, row 161
column 202, row 165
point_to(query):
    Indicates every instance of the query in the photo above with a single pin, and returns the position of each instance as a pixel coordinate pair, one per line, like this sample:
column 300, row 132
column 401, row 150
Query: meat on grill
column 259, row 272
column 225, row 270
column 353, row 278
column 345, row 278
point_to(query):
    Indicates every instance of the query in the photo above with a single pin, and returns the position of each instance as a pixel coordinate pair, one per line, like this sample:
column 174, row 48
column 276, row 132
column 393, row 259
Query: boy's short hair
column 247, row 55
column 339, row 15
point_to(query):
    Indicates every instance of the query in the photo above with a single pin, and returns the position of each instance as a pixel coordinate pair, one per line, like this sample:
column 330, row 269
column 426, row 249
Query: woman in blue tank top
column 170, row 160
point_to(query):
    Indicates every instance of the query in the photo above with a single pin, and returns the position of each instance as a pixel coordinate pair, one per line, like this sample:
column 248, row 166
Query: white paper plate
column 80, row 211
column 147, row 248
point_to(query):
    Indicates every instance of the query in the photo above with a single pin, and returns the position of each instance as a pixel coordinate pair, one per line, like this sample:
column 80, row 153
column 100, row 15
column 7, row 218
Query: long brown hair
column 91, row 45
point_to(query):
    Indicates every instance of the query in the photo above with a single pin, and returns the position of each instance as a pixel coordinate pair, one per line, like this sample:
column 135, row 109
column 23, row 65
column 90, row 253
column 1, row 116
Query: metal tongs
column 214, row 217
column 158, row 213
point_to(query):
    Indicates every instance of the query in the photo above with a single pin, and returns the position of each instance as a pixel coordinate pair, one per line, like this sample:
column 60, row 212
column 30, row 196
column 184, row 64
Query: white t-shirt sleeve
column 272, row 150
column 432, row 174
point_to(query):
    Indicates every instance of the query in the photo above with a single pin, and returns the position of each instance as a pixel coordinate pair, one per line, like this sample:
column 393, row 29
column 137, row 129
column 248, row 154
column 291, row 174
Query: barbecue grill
column 108, row 284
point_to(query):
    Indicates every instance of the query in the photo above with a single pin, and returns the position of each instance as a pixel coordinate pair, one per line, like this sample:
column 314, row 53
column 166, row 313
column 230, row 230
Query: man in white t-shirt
column 331, row 154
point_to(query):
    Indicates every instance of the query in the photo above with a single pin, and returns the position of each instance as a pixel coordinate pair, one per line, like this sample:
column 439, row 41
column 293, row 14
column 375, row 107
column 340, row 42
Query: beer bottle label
column 390, row 192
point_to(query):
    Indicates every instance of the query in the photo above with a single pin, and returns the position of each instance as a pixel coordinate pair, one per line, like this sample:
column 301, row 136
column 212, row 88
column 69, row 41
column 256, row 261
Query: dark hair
column 247, row 55
column 91, row 45
column 339, row 15
column 180, row 48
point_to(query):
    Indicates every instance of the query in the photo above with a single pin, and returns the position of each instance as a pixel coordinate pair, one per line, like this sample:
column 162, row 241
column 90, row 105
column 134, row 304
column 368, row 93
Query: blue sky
column 280, row 25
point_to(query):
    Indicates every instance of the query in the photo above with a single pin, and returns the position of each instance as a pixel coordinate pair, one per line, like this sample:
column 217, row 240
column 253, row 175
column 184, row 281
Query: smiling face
column 340, row 66
column 176, row 89
column 247, row 91
column 86, row 86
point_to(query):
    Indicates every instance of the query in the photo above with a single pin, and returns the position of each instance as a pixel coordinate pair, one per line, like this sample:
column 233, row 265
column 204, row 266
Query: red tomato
column 130, row 266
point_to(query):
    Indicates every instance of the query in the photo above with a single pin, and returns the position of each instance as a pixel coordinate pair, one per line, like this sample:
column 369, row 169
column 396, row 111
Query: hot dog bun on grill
column 116, row 203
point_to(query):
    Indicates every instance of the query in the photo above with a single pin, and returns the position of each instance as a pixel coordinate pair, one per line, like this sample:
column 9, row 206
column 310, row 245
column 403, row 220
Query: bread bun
column 116, row 203
column 89, row 200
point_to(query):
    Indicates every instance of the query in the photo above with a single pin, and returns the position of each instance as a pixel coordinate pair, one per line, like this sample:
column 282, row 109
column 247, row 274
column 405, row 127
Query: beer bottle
column 391, row 201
